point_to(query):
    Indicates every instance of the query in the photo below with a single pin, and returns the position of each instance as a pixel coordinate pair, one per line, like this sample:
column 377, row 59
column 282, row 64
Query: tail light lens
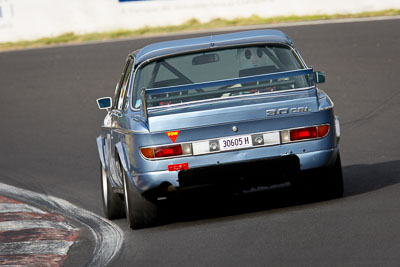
column 305, row 133
column 148, row 152
column 323, row 130
column 309, row 132
column 166, row 151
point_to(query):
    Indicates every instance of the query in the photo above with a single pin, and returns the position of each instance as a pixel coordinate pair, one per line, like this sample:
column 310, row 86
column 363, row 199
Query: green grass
column 189, row 25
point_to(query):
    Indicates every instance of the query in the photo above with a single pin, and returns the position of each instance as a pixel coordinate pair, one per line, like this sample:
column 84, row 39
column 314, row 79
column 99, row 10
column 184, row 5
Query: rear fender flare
column 100, row 148
column 123, row 156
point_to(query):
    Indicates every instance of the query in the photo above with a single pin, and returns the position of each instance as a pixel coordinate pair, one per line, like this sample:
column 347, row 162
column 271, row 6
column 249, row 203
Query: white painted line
column 31, row 224
column 55, row 247
column 108, row 236
column 14, row 207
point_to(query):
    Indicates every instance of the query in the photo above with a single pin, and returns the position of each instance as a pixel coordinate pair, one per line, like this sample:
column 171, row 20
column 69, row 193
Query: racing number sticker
column 172, row 135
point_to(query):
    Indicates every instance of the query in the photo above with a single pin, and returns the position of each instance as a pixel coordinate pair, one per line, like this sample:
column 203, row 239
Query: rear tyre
column 140, row 212
column 113, row 205
column 332, row 187
column 324, row 183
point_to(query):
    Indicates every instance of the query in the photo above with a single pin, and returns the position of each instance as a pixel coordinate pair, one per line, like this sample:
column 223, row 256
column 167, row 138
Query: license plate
column 236, row 142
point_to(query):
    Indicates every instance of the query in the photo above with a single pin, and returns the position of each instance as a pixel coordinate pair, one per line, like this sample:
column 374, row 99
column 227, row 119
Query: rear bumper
column 262, row 171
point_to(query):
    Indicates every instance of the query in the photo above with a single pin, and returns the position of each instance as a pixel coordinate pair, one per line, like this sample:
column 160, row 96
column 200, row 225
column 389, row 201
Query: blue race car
column 233, row 111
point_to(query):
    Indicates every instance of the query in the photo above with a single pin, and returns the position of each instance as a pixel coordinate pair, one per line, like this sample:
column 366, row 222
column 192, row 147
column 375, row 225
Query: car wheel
column 333, row 185
column 113, row 205
column 140, row 212
column 324, row 183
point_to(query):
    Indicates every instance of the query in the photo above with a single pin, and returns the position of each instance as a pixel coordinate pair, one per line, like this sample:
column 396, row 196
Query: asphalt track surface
column 49, row 122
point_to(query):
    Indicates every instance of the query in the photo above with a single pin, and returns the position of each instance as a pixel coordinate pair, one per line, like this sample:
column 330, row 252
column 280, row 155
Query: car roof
column 209, row 42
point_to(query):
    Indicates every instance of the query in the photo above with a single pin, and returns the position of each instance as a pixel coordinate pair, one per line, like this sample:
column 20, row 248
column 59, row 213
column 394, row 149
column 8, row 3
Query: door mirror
column 104, row 102
column 319, row 77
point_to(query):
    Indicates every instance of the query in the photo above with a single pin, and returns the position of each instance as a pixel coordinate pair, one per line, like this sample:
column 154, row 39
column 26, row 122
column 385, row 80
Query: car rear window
column 217, row 65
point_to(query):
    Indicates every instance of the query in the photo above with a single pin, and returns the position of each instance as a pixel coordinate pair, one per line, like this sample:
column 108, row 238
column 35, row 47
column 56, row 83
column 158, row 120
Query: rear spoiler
column 249, row 79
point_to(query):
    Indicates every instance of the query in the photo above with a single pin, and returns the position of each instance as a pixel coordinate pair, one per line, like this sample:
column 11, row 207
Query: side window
column 124, row 87
column 121, row 89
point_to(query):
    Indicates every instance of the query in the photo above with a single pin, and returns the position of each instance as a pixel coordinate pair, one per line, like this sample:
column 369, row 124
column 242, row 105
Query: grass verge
column 189, row 25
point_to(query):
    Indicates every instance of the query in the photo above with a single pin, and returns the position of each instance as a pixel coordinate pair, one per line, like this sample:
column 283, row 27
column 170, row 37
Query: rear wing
column 200, row 87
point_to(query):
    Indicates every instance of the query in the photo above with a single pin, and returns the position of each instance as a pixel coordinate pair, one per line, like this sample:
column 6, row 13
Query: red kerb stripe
column 33, row 260
column 8, row 200
column 37, row 234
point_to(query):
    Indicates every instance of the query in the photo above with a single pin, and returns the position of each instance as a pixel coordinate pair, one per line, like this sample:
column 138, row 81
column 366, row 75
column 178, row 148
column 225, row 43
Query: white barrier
column 28, row 19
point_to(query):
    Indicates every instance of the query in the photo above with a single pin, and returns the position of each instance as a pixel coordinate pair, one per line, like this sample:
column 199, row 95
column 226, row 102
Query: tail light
column 307, row 133
column 166, row 151
column 304, row 133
